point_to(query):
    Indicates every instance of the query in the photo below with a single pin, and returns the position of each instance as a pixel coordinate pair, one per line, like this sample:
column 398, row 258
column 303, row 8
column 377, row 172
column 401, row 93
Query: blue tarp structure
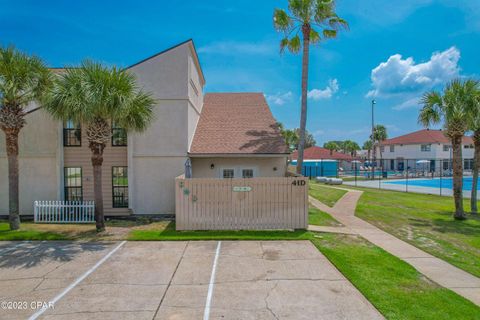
column 319, row 168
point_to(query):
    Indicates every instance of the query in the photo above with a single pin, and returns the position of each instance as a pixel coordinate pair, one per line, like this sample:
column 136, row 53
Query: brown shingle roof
column 317, row 153
column 423, row 136
column 237, row 123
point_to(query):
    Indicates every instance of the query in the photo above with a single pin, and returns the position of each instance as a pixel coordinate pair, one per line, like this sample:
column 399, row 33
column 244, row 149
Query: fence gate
column 241, row 204
column 64, row 211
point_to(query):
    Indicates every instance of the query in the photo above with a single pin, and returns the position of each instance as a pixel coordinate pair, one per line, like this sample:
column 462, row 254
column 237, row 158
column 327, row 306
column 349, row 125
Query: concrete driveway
column 174, row 280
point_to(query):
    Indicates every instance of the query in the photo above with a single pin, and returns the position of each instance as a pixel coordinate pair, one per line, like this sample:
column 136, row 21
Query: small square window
column 228, row 173
column 247, row 173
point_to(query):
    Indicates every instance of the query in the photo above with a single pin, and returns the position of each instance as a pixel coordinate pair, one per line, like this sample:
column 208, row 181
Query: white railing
column 64, row 211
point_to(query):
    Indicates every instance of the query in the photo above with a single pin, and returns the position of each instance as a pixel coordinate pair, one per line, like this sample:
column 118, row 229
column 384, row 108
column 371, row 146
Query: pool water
column 446, row 183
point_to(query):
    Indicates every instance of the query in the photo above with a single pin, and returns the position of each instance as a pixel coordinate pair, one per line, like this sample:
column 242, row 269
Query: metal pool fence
column 426, row 175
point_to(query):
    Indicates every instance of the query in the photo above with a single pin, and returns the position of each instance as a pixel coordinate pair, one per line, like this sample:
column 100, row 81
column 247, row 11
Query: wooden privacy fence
column 64, row 211
column 241, row 204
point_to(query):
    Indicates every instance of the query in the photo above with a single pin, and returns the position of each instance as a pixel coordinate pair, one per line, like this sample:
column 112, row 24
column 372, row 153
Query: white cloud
column 279, row 99
column 235, row 47
column 398, row 75
column 327, row 93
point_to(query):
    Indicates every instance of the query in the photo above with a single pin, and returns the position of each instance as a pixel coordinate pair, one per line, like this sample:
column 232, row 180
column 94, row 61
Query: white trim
column 206, row 313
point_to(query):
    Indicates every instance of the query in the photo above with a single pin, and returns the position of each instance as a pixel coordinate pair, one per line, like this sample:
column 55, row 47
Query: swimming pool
column 446, row 183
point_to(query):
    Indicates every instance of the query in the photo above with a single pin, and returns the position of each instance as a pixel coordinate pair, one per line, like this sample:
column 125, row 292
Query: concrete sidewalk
column 443, row 273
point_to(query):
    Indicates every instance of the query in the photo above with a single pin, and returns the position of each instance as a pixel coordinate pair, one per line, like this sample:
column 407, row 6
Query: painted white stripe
column 206, row 313
column 76, row 282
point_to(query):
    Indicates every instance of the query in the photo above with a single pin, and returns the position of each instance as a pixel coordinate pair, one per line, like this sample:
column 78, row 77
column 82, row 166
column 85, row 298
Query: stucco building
column 426, row 144
column 235, row 137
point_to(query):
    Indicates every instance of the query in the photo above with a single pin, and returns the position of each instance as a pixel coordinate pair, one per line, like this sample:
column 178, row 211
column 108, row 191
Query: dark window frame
column 72, row 134
column 115, row 129
column 66, row 187
column 122, row 203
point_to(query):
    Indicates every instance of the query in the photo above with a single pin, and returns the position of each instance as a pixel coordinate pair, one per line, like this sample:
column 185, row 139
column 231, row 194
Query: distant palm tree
column 379, row 135
column 96, row 96
column 367, row 145
column 451, row 109
column 332, row 146
column 350, row 147
column 23, row 79
column 474, row 126
column 303, row 17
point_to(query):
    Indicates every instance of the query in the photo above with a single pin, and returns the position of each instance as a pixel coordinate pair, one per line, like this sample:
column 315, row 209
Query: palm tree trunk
column 374, row 158
column 476, row 166
column 303, row 113
column 97, row 161
column 458, row 177
column 11, row 136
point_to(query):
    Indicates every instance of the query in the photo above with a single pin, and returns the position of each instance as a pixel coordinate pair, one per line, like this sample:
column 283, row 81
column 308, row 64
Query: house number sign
column 242, row 189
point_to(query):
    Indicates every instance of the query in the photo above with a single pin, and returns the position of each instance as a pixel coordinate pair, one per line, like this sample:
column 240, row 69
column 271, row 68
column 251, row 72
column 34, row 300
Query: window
column 228, row 173
column 72, row 134
column 446, row 147
column 73, row 184
column 247, row 173
column 468, row 164
column 120, row 187
column 426, row 147
column 468, row 146
column 392, row 148
column 382, row 149
column 119, row 136
column 446, row 165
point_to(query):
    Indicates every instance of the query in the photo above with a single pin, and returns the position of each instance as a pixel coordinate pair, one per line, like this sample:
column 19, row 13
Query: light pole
column 373, row 140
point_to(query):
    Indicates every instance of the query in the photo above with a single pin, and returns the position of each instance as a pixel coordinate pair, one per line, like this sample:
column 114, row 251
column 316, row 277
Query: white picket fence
column 64, row 211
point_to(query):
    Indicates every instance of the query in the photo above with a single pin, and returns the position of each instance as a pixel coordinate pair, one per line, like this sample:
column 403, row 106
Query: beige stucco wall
column 39, row 163
column 263, row 166
column 157, row 156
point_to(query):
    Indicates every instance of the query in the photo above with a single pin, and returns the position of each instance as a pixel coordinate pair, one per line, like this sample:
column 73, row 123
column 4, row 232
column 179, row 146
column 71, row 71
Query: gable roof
column 319, row 153
column 237, row 123
column 424, row 136
column 189, row 42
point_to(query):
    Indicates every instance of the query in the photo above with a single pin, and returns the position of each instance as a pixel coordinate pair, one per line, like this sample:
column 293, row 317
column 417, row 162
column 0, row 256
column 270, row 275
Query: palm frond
column 283, row 44
column 314, row 36
column 329, row 33
column 295, row 44
column 95, row 91
column 281, row 20
column 431, row 112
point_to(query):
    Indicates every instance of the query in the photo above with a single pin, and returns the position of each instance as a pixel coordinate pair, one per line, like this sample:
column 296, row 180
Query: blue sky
column 395, row 51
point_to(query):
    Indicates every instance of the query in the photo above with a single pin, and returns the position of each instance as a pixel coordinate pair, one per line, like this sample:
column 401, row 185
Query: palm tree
column 367, row 145
column 379, row 135
column 332, row 146
column 95, row 96
column 304, row 17
column 350, row 147
column 474, row 126
column 451, row 109
column 23, row 79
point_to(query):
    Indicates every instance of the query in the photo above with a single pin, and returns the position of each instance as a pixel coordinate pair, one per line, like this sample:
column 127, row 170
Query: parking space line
column 206, row 314
column 76, row 282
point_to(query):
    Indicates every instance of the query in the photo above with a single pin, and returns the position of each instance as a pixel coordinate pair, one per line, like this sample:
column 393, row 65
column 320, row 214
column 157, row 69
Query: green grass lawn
column 319, row 218
column 426, row 222
column 394, row 287
column 169, row 233
column 28, row 232
column 326, row 195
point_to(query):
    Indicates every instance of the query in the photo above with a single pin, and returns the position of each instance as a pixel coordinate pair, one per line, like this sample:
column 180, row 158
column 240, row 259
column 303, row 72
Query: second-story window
column 392, row 148
column 426, row 147
column 446, row 147
column 72, row 134
column 119, row 136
